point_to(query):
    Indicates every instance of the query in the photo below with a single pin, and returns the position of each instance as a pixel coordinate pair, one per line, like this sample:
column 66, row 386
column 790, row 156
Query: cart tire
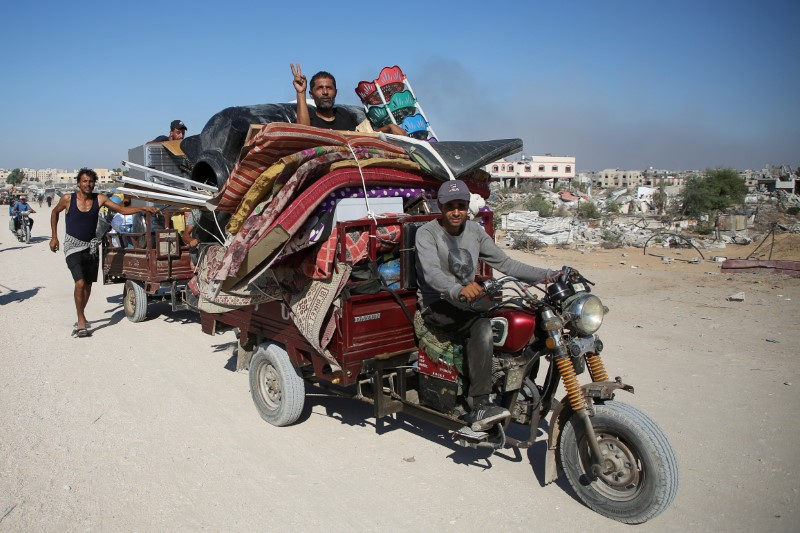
column 277, row 389
column 135, row 301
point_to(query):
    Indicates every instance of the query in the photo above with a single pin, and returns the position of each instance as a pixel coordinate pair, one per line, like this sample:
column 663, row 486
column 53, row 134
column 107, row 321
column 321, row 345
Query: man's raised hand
column 299, row 81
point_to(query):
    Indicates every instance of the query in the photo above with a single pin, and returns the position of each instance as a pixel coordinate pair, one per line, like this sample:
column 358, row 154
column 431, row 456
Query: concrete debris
column 633, row 222
column 552, row 230
column 794, row 228
column 666, row 260
column 738, row 297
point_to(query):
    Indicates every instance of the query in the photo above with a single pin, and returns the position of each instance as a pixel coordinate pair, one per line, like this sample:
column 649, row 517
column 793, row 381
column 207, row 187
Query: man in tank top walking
column 80, row 240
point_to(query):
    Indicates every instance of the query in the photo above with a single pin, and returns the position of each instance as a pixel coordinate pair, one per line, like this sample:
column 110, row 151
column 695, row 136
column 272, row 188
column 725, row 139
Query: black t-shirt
column 342, row 120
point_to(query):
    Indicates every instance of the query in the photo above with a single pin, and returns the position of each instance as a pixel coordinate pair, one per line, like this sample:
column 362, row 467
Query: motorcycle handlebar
column 496, row 285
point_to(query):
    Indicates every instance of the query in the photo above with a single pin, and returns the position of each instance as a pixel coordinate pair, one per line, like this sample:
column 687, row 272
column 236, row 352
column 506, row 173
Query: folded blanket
column 439, row 346
column 213, row 300
column 264, row 183
column 277, row 140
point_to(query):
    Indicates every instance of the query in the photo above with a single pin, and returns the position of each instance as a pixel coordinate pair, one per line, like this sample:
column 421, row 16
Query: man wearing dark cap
column 448, row 250
column 177, row 130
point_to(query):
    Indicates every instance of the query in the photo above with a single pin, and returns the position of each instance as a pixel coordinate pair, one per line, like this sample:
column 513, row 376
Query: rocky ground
column 147, row 427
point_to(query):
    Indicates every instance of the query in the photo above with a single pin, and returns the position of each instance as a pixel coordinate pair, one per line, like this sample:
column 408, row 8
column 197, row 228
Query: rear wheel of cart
column 278, row 391
column 135, row 301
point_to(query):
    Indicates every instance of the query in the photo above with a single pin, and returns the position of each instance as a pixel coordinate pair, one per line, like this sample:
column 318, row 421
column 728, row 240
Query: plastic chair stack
column 390, row 99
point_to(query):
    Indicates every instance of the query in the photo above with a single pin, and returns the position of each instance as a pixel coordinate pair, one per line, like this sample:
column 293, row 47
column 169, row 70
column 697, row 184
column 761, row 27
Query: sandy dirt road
column 146, row 427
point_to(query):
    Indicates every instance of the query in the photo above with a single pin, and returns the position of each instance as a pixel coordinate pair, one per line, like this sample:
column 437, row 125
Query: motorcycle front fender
column 598, row 390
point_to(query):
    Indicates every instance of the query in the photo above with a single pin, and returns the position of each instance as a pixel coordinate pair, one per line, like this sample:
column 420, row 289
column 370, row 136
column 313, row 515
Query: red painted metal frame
column 368, row 326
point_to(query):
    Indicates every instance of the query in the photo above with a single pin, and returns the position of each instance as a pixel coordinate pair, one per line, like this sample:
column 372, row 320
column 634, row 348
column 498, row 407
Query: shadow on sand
column 355, row 413
column 14, row 295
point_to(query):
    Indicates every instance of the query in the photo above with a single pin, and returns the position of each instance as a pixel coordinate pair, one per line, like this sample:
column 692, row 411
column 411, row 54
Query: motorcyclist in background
column 22, row 205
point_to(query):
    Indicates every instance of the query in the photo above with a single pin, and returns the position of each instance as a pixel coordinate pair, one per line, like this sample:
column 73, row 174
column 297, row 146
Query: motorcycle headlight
column 587, row 313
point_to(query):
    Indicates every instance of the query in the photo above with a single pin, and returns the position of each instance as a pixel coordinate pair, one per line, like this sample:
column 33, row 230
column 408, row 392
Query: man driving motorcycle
column 447, row 253
column 19, row 207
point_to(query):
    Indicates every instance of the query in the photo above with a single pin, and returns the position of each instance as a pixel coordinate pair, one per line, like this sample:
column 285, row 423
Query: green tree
column 587, row 210
column 540, row 204
column 612, row 207
column 15, row 177
column 716, row 191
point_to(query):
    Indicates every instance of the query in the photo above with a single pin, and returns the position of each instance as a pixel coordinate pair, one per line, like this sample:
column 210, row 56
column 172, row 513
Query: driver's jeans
column 476, row 330
column 16, row 222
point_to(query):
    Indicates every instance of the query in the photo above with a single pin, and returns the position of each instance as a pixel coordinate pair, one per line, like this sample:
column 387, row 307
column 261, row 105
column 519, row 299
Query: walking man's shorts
column 83, row 265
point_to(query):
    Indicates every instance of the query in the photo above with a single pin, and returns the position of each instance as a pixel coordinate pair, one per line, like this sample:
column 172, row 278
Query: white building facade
column 527, row 170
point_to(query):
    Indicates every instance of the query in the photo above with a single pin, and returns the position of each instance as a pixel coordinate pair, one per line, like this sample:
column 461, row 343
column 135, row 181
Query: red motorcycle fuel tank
column 520, row 327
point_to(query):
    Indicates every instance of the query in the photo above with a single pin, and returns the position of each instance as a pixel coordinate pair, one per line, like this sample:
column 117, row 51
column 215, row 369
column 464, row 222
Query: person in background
column 177, row 131
column 80, row 240
column 325, row 115
column 22, row 205
column 120, row 223
column 188, row 234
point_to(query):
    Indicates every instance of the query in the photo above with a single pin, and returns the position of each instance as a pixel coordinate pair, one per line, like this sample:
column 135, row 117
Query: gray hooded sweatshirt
column 447, row 263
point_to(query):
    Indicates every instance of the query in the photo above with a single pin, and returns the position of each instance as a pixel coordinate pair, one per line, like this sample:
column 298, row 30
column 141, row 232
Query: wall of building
column 538, row 167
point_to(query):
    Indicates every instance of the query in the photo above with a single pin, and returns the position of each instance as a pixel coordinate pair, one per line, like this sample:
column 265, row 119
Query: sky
column 623, row 84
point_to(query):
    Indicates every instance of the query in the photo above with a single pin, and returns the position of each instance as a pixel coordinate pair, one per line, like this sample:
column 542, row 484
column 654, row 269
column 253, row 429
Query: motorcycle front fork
column 577, row 401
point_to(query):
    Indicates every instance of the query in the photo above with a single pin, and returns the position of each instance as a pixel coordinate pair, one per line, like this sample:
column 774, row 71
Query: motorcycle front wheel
column 640, row 471
column 27, row 231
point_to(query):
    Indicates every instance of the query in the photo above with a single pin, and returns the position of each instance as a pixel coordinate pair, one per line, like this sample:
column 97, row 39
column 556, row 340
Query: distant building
column 615, row 178
column 59, row 176
column 66, row 177
column 779, row 178
column 527, row 170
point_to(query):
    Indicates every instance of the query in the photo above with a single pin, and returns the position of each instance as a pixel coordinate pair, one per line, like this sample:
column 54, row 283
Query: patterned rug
column 225, row 301
column 309, row 309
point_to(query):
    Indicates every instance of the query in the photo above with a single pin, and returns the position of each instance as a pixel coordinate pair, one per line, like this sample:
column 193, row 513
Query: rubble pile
column 551, row 230
column 631, row 227
column 529, row 227
column 568, row 230
column 789, row 199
